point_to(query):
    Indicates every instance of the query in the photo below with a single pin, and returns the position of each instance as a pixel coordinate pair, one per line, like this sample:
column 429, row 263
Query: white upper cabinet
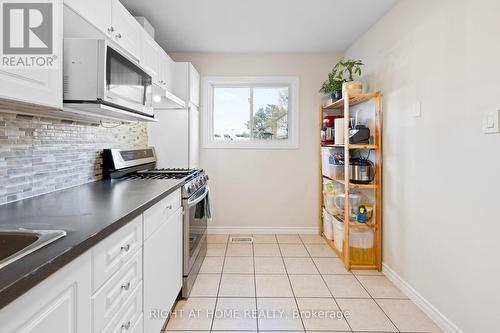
column 149, row 55
column 112, row 19
column 187, row 83
column 37, row 86
column 194, row 85
column 166, row 73
column 127, row 31
column 97, row 12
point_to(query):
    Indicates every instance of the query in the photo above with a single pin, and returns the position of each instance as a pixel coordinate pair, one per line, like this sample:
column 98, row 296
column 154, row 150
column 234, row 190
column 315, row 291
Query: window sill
column 289, row 145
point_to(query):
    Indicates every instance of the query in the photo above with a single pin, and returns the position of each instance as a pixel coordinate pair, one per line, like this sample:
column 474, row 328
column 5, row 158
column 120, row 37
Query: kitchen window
column 251, row 112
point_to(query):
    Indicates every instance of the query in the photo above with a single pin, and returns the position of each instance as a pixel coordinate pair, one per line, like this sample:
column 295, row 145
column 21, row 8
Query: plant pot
column 337, row 94
column 353, row 87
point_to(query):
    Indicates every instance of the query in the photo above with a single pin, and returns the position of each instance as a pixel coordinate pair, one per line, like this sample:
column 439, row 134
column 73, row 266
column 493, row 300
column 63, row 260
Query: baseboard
column 262, row 230
column 441, row 320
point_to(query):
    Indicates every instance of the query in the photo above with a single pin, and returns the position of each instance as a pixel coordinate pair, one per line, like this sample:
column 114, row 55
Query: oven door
column 195, row 229
column 127, row 85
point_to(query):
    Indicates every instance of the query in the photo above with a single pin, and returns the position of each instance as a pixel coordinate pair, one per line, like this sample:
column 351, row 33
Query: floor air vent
column 242, row 240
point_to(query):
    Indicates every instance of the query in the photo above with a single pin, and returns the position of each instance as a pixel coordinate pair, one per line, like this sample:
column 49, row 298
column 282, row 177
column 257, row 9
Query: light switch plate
column 490, row 122
column 417, row 110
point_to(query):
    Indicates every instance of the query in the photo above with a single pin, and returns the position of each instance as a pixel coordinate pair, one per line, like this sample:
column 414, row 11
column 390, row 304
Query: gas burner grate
column 164, row 174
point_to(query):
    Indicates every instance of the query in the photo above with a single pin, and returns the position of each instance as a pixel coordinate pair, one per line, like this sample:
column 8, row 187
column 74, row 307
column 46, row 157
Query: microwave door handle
column 191, row 203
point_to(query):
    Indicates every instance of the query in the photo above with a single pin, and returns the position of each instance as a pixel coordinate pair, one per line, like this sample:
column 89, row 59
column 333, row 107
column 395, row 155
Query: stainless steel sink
column 16, row 243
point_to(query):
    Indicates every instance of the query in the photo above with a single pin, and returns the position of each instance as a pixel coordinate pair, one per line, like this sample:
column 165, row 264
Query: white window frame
column 211, row 82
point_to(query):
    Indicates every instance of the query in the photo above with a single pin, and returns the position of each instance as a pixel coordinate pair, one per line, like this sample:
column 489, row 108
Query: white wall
column 441, row 184
column 261, row 189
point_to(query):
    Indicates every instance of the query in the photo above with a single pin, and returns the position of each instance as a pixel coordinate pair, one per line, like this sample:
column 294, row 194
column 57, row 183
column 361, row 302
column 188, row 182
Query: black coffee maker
column 359, row 134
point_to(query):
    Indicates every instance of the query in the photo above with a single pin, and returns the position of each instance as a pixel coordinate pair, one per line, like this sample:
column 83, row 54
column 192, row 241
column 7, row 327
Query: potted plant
column 332, row 86
column 342, row 78
column 348, row 68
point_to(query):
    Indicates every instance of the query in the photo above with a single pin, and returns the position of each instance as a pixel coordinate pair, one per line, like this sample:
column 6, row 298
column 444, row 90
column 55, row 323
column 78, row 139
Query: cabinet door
column 194, row 85
column 169, row 73
column 127, row 31
column 162, row 271
column 149, row 55
column 37, row 86
column 96, row 12
column 61, row 303
column 163, row 60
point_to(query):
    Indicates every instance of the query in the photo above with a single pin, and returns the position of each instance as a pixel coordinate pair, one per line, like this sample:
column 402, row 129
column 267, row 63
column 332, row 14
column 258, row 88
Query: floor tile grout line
column 220, row 282
column 328, row 288
column 302, row 242
column 291, row 287
column 255, row 284
column 373, row 299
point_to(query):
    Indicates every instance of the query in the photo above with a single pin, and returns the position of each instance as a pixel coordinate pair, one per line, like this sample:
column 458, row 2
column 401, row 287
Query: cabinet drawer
column 108, row 301
column 129, row 319
column 160, row 212
column 114, row 251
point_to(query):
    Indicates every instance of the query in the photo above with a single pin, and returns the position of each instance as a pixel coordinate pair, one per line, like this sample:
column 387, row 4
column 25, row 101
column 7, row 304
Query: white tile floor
column 291, row 283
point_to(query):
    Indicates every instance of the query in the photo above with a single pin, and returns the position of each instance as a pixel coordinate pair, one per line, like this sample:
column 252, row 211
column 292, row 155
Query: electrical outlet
column 490, row 122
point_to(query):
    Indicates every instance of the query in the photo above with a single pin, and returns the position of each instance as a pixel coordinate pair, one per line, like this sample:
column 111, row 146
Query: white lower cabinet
column 61, row 303
column 114, row 294
column 162, row 271
column 129, row 319
column 113, row 252
column 113, row 287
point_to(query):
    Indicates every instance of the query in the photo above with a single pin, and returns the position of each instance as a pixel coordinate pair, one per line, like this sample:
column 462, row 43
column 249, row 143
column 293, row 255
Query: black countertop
column 88, row 213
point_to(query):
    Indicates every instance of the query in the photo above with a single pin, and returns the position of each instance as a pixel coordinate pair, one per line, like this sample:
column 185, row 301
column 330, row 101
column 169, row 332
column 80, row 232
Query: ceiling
column 259, row 25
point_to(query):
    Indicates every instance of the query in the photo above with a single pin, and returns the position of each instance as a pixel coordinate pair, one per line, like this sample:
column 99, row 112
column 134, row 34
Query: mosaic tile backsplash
column 41, row 155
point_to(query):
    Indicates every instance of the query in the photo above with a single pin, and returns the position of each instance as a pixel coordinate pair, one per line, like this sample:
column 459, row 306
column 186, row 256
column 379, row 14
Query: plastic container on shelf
column 338, row 234
column 337, row 171
column 328, row 185
column 329, row 202
column 327, row 225
column 361, row 246
column 325, row 161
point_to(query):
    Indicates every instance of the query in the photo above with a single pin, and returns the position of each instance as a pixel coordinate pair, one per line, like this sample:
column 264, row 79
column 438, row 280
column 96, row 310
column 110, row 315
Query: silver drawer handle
column 111, row 29
column 118, row 35
column 126, row 326
column 125, row 248
column 169, row 207
column 126, row 286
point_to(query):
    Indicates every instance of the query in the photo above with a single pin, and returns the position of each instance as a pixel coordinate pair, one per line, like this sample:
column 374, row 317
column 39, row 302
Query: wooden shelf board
column 352, row 185
column 354, row 99
column 369, row 266
column 356, row 225
column 354, row 146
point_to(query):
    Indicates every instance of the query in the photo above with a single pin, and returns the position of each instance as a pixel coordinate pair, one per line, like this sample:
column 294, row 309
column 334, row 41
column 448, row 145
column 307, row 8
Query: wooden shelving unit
column 343, row 107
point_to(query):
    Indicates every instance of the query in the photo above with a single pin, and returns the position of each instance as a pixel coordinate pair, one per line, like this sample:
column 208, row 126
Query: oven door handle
column 197, row 200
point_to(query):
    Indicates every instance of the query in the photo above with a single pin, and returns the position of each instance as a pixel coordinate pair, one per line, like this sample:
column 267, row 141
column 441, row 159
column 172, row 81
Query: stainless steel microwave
column 96, row 74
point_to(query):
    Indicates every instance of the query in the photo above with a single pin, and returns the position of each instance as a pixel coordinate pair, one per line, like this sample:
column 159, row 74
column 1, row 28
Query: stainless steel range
column 141, row 164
